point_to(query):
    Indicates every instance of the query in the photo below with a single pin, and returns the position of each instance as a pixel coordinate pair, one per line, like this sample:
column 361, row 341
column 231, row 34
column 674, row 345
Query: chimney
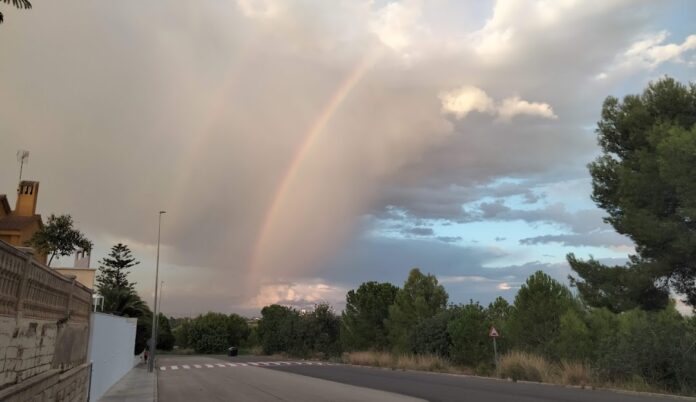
column 82, row 259
column 27, row 193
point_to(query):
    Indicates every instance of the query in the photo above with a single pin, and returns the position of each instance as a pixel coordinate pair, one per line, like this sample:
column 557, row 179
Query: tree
column 123, row 302
column 421, row 297
column 322, row 329
column 469, row 333
column 278, row 329
column 535, row 322
column 20, row 4
column 367, row 309
column 114, row 269
column 165, row 338
column 58, row 238
column 645, row 180
column 181, row 331
column 215, row 332
column 431, row 336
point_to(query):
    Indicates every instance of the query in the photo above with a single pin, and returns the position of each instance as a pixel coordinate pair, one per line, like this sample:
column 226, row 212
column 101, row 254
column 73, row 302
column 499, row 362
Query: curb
column 589, row 388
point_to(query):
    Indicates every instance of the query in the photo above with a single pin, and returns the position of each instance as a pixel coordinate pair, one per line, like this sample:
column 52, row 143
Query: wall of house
column 44, row 331
column 110, row 351
column 83, row 275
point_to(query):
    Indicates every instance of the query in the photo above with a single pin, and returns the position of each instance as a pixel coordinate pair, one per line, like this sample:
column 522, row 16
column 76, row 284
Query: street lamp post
column 153, row 339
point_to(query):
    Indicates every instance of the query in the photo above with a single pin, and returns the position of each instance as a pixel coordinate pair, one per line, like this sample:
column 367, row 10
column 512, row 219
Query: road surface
column 250, row 378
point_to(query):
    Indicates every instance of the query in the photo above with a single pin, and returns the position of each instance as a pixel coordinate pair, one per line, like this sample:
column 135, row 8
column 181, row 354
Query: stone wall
column 51, row 386
column 44, row 331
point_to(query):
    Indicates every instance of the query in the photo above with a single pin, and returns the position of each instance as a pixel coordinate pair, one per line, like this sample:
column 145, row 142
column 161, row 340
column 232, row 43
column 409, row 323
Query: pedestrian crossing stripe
column 247, row 364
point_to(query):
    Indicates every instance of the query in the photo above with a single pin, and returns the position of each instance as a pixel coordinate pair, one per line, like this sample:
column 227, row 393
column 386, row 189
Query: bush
column 525, row 366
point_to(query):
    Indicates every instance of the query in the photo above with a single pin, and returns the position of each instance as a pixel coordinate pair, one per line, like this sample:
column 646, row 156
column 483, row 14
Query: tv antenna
column 22, row 158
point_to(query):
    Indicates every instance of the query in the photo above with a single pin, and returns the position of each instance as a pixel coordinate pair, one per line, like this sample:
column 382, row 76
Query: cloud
column 301, row 295
column 515, row 106
column 203, row 116
column 419, row 231
column 449, row 239
column 600, row 238
column 650, row 52
column 396, row 23
column 460, row 102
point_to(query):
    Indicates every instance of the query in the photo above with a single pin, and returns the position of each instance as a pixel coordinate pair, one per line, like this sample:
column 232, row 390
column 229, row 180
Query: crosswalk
column 246, row 364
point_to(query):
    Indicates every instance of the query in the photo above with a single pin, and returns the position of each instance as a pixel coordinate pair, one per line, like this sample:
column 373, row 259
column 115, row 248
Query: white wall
column 112, row 340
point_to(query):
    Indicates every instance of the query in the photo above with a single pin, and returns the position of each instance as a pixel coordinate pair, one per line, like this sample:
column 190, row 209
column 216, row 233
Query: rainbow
column 315, row 131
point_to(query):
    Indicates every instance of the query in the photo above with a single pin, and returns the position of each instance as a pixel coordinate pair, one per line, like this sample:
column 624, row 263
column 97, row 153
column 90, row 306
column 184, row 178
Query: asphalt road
column 200, row 378
column 267, row 379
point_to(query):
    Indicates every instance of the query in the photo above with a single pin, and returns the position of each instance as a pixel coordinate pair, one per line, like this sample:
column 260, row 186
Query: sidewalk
column 136, row 386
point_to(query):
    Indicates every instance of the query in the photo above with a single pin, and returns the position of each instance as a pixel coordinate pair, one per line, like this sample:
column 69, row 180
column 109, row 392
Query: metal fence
column 33, row 290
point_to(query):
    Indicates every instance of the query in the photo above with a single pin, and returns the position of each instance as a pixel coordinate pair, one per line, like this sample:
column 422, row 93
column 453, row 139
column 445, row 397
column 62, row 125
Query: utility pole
column 153, row 339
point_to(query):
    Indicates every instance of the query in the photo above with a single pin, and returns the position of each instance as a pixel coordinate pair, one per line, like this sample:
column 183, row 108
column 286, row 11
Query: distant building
column 81, row 269
column 18, row 226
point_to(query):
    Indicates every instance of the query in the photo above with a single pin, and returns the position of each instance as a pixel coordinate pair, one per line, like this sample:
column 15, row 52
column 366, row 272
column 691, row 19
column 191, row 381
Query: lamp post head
column 162, row 212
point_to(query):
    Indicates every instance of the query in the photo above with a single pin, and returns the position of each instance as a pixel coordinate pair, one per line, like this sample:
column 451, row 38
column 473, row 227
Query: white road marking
column 256, row 364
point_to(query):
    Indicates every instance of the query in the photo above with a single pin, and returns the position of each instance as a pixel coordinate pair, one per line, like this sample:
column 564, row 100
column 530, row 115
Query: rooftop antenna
column 22, row 158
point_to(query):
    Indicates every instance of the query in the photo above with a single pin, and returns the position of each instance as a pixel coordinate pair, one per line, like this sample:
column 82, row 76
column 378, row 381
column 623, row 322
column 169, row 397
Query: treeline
column 211, row 332
column 546, row 320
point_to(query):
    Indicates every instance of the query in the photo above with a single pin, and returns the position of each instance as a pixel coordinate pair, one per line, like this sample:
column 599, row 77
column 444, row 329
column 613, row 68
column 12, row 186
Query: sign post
column 493, row 333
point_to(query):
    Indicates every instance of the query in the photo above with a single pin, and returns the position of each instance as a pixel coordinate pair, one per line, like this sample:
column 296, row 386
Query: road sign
column 493, row 333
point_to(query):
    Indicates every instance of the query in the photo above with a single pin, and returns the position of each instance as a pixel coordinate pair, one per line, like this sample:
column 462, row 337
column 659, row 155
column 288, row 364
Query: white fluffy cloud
column 649, row 52
column 396, row 23
column 462, row 101
column 515, row 106
column 298, row 294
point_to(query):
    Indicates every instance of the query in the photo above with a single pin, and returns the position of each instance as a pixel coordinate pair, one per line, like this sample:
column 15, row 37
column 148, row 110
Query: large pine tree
column 645, row 180
column 114, row 270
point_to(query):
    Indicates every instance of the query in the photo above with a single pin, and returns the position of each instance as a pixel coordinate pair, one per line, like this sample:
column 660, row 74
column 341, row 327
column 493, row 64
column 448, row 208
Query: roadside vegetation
column 617, row 327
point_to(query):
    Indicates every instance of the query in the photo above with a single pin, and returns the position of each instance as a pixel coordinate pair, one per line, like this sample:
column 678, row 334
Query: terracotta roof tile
column 4, row 204
column 13, row 222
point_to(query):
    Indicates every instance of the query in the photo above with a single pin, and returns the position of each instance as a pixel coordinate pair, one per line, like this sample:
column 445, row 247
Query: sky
column 301, row 148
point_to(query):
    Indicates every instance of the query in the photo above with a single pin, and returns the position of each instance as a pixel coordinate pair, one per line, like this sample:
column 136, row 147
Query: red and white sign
column 493, row 333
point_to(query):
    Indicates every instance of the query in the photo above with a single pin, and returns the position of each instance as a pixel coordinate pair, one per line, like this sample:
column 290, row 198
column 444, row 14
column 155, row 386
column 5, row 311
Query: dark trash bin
column 232, row 351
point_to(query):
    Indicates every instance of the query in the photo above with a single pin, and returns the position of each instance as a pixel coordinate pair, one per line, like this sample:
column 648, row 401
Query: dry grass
column 573, row 373
column 526, row 366
column 400, row 362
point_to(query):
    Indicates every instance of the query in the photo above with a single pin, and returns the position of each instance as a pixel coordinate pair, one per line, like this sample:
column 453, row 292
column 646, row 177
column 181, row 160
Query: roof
column 4, row 204
column 13, row 222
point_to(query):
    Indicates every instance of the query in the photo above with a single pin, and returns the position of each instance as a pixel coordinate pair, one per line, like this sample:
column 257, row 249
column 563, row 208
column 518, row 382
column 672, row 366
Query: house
column 19, row 225
column 81, row 270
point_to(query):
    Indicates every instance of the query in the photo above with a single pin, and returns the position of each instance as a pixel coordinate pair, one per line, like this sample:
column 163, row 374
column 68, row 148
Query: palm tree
column 123, row 302
column 21, row 4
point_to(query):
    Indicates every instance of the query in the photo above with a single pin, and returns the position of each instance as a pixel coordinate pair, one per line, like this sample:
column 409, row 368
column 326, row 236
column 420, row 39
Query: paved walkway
column 136, row 386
